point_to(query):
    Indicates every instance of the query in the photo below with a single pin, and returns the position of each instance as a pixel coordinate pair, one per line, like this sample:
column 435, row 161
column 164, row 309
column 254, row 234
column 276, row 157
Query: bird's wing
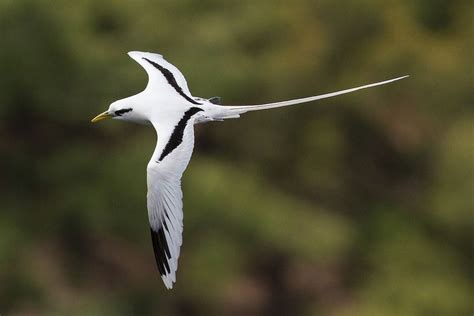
column 163, row 78
column 164, row 198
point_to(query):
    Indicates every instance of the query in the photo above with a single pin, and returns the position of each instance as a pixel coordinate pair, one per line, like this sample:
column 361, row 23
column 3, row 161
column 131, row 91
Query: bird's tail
column 235, row 111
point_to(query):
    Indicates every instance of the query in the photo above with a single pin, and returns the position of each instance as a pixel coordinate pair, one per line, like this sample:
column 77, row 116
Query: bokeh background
column 357, row 205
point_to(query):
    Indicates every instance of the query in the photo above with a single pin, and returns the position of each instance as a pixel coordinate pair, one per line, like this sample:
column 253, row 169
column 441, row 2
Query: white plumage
column 167, row 104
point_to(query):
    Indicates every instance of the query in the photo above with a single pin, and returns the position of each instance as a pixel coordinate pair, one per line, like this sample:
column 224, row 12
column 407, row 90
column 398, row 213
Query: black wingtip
column 162, row 251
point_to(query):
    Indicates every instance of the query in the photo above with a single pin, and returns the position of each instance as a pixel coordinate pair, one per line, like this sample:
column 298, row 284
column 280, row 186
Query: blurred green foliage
column 358, row 205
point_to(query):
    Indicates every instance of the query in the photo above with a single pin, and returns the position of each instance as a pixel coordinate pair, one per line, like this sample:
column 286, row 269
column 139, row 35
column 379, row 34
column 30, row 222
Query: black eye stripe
column 122, row 111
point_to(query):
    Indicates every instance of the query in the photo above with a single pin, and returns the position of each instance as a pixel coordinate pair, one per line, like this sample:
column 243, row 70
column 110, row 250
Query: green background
column 357, row 205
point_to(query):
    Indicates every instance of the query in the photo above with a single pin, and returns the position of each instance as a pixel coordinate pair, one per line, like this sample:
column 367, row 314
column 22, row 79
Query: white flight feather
column 157, row 83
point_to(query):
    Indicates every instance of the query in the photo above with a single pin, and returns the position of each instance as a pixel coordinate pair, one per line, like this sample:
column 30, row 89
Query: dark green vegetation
column 357, row 205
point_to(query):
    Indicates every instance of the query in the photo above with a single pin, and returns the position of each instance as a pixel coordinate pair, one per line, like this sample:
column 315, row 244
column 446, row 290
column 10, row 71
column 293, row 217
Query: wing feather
column 164, row 78
column 164, row 200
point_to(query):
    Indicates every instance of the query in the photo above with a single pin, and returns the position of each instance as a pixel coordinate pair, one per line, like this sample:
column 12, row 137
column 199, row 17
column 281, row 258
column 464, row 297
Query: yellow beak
column 101, row 116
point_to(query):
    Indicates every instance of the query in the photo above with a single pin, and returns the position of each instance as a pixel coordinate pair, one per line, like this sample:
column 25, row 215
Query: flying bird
column 168, row 105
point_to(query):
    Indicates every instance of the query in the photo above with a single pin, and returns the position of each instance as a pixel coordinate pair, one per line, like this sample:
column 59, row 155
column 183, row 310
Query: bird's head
column 122, row 110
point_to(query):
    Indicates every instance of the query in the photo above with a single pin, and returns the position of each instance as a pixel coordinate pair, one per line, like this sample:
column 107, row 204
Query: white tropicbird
column 168, row 105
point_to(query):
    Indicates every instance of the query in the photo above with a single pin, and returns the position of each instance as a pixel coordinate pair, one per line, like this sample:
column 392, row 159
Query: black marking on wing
column 122, row 111
column 162, row 251
column 176, row 137
column 165, row 225
column 171, row 80
column 215, row 100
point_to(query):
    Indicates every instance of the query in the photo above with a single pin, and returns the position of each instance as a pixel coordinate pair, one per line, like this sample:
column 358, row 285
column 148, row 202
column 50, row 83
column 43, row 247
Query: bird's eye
column 122, row 111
